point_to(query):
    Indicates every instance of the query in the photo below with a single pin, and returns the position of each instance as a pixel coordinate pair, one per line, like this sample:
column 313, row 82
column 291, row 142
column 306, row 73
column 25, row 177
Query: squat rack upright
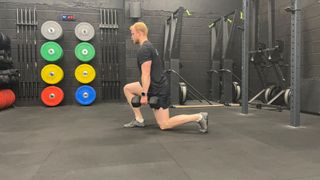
column 295, row 10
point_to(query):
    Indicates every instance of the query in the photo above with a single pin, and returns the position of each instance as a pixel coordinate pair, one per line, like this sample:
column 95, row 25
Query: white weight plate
column 84, row 31
column 51, row 30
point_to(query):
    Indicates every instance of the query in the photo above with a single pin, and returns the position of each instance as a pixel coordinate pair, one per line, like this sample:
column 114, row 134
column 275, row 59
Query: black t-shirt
column 159, row 84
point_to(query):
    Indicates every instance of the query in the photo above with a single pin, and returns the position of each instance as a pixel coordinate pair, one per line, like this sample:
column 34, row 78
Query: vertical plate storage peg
column 26, row 24
column 109, row 64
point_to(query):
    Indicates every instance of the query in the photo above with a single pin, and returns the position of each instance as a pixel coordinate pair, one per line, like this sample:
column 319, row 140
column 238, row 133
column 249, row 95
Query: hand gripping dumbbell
column 153, row 101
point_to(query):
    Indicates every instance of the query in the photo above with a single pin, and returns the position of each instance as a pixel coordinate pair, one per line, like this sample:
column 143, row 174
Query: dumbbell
column 153, row 101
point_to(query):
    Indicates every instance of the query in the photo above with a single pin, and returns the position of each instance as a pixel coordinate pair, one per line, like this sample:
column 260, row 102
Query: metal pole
column 254, row 24
column 271, row 23
column 295, row 62
column 245, row 57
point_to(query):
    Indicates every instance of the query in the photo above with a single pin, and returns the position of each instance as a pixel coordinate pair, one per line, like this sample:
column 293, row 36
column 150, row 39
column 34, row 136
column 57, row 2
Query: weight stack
column 85, row 73
column 52, row 74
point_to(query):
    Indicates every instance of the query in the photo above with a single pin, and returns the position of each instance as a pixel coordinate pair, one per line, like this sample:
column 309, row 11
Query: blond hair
column 140, row 26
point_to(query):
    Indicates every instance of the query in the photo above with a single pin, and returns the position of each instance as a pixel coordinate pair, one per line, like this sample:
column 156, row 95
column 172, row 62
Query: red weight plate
column 7, row 98
column 11, row 97
column 3, row 99
column 52, row 96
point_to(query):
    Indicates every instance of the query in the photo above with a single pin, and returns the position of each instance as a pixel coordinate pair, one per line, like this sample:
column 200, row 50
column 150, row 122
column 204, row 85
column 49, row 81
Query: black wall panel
column 310, row 48
column 68, row 42
column 195, row 44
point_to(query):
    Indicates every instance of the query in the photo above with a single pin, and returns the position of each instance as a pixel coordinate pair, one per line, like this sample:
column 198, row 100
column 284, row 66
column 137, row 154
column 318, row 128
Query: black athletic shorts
column 163, row 101
column 163, row 95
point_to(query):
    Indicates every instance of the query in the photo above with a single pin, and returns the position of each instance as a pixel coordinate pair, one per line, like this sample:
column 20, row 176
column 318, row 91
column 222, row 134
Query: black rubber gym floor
column 89, row 143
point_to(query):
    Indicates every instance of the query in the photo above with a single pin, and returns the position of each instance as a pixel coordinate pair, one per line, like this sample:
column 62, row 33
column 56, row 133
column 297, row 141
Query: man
column 154, row 83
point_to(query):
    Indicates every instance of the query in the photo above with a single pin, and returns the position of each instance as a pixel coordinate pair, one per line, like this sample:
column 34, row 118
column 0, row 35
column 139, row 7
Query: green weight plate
column 85, row 52
column 51, row 51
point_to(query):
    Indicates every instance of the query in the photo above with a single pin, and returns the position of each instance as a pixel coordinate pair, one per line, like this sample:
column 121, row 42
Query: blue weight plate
column 85, row 95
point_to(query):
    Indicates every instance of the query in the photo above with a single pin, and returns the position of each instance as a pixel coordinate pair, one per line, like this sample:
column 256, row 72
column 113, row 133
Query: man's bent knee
column 126, row 88
column 164, row 125
column 131, row 88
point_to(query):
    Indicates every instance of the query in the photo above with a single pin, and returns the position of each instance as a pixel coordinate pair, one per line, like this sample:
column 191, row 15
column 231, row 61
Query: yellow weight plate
column 85, row 73
column 52, row 74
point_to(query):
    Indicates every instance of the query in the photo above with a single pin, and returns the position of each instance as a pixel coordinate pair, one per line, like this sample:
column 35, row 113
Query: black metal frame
column 171, row 57
column 295, row 11
column 269, row 55
column 171, row 50
column 216, row 54
column 295, row 62
column 223, row 31
column 26, row 23
column 110, row 63
column 192, row 89
column 245, row 56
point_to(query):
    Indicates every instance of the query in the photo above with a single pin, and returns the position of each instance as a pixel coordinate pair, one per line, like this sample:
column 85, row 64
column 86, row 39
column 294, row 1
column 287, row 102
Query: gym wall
column 310, row 48
column 195, row 47
column 68, row 42
column 195, row 44
column 195, row 38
